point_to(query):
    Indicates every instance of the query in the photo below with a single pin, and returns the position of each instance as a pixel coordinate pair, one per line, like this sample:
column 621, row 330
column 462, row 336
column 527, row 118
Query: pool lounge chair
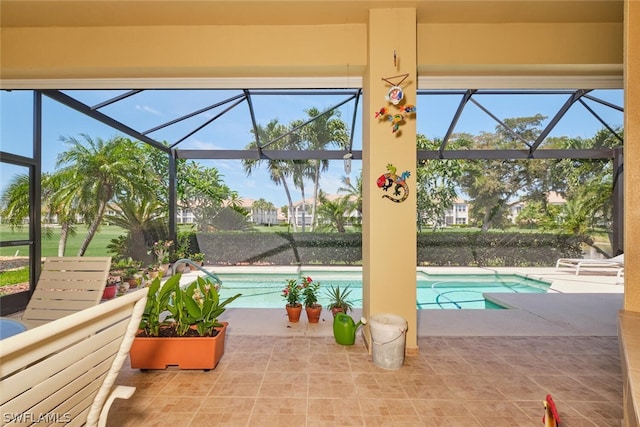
column 66, row 285
column 615, row 264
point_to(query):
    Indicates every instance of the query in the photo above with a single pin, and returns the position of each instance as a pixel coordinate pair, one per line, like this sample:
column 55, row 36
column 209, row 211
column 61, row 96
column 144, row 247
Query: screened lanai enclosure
column 274, row 176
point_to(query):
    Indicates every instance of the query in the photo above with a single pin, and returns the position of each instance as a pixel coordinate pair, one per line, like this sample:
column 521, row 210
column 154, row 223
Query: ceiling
column 140, row 13
column 75, row 13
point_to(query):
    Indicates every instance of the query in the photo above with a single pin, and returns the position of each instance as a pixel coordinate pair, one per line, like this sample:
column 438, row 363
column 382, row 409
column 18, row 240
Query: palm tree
column 15, row 204
column 325, row 131
column 278, row 169
column 260, row 209
column 65, row 210
column 235, row 201
column 353, row 193
column 334, row 212
column 15, row 201
column 96, row 171
column 144, row 217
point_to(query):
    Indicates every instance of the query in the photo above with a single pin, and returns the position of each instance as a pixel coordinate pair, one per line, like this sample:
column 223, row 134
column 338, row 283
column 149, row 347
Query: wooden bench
column 64, row 371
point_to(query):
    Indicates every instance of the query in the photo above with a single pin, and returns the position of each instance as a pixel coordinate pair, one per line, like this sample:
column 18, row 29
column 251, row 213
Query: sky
column 149, row 109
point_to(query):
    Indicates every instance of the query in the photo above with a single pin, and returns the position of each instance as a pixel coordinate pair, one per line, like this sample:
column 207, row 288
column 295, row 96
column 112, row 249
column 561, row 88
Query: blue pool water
column 443, row 291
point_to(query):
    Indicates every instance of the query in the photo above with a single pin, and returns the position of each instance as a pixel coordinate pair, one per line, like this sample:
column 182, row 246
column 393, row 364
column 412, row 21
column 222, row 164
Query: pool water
column 442, row 291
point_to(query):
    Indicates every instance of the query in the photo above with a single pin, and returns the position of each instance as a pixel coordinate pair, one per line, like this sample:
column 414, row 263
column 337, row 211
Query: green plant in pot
column 199, row 305
column 131, row 276
column 180, row 326
column 338, row 299
column 292, row 294
column 310, row 299
column 198, row 257
column 157, row 307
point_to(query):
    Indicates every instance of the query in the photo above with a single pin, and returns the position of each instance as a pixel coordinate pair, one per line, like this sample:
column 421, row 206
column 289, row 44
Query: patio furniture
column 594, row 265
column 66, row 285
column 64, row 371
column 10, row 327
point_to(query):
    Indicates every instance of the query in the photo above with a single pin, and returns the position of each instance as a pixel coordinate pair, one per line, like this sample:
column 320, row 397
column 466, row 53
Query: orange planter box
column 184, row 352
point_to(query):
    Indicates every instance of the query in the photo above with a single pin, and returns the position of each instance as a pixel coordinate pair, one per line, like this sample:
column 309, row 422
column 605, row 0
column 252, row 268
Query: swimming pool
column 434, row 291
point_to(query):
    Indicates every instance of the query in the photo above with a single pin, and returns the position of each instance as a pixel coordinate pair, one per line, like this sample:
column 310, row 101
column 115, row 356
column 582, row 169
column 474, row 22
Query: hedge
column 437, row 249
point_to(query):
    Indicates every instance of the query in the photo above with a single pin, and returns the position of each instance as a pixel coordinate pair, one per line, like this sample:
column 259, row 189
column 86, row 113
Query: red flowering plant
column 293, row 292
column 310, row 292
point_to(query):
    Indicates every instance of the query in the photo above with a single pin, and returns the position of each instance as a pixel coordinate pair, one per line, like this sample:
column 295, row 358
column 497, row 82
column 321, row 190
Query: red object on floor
column 550, row 417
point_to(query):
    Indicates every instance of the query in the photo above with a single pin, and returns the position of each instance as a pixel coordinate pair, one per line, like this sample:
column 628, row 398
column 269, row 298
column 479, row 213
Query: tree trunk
column 490, row 216
column 93, row 228
column 316, row 184
column 286, row 190
column 304, row 208
column 64, row 235
column 138, row 247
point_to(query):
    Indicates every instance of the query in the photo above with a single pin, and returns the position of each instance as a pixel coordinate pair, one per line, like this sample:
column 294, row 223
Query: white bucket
column 388, row 333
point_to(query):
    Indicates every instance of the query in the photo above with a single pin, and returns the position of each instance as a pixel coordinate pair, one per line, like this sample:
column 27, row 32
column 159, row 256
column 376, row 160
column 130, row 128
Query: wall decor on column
column 398, row 182
column 395, row 97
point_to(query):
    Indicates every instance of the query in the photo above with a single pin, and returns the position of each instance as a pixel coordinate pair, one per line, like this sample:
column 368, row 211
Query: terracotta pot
column 184, row 352
column 132, row 281
column 109, row 292
column 336, row 310
column 313, row 313
column 123, row 287
column 165, row 269
column 153, row 274
column 294, row 312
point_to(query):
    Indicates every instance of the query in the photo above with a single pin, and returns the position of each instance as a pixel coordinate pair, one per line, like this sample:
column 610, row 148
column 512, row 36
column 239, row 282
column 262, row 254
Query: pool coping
column 584, row 305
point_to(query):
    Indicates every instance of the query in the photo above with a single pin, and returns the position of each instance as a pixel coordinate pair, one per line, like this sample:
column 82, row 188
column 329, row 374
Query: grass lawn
column 14, row 276
column 97, row 247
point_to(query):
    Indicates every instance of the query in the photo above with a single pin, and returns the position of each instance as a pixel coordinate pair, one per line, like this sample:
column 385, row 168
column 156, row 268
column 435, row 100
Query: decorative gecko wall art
column 398, row 182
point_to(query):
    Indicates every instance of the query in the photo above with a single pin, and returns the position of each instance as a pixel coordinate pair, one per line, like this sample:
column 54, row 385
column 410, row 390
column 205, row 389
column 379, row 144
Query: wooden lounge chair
column 594, row 265
column 63, row 372
column 66, row 285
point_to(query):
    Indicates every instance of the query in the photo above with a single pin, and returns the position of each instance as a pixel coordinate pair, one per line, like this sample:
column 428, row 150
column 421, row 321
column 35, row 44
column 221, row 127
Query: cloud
column 198, row 144
column 148, row 109
column 228, row 165
column 250, row 183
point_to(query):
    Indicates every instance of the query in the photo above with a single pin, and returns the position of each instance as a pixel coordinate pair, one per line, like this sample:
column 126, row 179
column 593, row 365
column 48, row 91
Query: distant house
column 553, row 198
column 185, row 216
column 458, row 214
column 302, row 211
column 260, row 216
column 256, row 215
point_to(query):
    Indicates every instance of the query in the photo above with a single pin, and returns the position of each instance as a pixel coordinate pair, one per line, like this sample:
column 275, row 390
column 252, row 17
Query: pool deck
column 584, row 305
column 473, row 368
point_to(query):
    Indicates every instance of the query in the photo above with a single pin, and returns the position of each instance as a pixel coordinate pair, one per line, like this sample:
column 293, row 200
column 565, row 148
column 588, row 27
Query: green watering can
column 344, row 328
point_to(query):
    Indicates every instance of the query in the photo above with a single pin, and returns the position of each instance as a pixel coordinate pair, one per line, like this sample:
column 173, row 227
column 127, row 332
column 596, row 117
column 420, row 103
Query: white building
column 260, row 216
column 553, row 198
column 458, row 214
column 302, row 211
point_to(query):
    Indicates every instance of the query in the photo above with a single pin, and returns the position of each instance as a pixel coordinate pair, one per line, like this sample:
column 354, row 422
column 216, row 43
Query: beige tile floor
column 453, row 381
column 474, row 368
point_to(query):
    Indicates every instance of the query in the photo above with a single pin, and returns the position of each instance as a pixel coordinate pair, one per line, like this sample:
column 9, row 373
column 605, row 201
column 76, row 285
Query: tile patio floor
column 474, row 368
column 453, row 381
